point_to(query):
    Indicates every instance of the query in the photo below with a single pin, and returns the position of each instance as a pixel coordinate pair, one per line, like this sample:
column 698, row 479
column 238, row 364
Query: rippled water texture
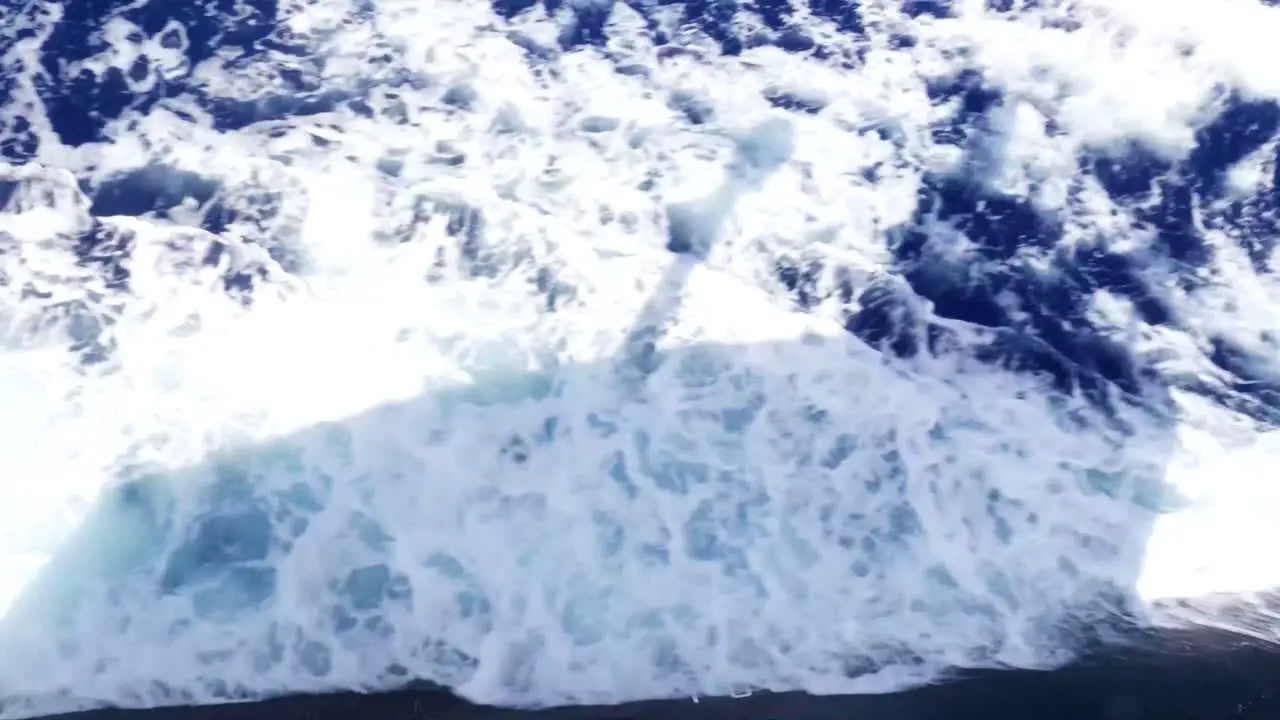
column 583, row 351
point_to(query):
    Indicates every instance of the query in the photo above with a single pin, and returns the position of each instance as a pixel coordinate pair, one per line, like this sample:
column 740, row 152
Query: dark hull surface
column 1198, row 674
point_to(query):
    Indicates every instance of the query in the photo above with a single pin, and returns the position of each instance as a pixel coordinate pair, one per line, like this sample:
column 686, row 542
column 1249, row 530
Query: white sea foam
column 416, row 455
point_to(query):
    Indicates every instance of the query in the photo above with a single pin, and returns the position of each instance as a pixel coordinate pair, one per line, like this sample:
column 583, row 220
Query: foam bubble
column 619, row 352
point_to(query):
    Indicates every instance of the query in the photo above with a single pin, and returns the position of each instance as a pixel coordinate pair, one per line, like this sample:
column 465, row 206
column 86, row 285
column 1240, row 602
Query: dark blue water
column 1055, row 339
column 1052, row 337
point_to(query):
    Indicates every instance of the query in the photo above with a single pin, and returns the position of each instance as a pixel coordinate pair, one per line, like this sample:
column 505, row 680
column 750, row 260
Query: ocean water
column 589, row 351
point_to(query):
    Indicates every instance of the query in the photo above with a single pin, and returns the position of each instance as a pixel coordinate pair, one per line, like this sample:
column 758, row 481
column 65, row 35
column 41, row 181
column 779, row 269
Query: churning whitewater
column 590, row 350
